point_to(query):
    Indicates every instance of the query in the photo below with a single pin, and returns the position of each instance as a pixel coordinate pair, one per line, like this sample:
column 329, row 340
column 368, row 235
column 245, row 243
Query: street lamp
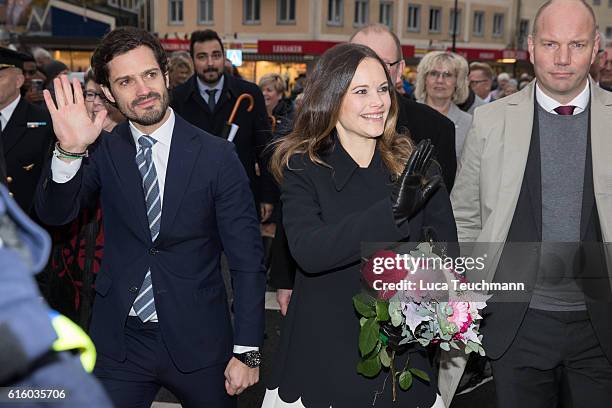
column 455, row 27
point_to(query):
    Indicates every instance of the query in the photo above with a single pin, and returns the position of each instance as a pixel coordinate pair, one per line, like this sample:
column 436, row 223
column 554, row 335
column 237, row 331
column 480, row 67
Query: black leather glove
column 414, row 187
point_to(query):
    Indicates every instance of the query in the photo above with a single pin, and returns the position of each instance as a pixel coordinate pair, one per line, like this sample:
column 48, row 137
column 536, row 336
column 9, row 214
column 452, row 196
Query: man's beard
column 207, row 80
column 151, row 117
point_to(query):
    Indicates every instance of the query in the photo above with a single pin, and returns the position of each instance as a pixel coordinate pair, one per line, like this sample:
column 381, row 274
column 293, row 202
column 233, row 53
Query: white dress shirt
column 63, row 172
column 549, row 104
column 7, row 112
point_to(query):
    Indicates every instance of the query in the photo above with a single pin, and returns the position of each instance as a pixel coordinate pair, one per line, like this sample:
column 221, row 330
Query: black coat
column 424, row 122
column 328, row 212
column 283, row 113
column 26, row 140
column 252, row 137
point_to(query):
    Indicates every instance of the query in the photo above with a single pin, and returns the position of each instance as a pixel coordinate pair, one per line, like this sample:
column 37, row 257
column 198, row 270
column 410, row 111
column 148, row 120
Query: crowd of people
column 154, row 174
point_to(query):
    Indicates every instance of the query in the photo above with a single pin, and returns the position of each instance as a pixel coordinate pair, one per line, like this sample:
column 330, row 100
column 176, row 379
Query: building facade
column 528, row 9
column 274, row 34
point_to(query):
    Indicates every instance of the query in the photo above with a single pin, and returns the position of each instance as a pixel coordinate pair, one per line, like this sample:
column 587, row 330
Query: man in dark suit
column 207, row 99
column 535, row 174
column 25, row 131
column 173, row 197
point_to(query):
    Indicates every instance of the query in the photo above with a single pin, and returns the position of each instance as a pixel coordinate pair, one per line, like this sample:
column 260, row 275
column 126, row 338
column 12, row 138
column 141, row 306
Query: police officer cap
column 11, row 59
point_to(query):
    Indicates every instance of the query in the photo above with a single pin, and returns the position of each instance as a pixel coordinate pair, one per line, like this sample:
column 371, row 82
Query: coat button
column 134, row 289
column 153, row 251
column 9, row 179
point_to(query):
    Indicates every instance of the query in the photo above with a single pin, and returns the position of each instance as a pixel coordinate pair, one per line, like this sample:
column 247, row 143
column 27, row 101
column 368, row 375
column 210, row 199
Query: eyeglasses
column 90, row 96
column 437, row 74
column 390, row 64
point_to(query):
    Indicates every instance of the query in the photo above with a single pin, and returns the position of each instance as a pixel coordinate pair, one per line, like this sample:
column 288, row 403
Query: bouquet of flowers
column 411, row 298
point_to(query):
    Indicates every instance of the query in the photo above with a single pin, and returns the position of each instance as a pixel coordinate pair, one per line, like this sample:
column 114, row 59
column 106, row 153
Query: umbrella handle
column 237, row 104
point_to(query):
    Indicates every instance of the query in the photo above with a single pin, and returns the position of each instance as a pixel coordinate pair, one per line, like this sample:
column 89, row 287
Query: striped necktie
column 144, row 305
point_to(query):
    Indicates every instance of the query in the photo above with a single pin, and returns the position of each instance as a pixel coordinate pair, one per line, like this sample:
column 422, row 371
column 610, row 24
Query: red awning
column 473, row 54
column 174, row 44
column 308, row 47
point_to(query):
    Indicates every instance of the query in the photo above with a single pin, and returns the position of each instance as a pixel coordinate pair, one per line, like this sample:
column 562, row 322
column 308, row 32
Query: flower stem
column 393, row 375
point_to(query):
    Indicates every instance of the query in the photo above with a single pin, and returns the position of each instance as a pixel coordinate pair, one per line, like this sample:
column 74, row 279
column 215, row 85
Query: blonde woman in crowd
column 278, row 107
column 442, row 83
column 180, row 69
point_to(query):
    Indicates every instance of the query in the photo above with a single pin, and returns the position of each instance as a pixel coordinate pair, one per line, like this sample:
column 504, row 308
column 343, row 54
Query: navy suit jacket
column 207, row 208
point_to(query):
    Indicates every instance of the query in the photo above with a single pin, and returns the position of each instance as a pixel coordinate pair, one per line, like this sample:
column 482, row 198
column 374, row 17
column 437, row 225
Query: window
column 498, row 25
column 334, row 12
column 435, row 19
column 451, row 25
column 251, row 11
column 176, row 11
column 523, row 33
column 478, row 28
column 113, row 2
column 286, row 11
column 386, row 13
column 361, row 12
column 414, row 18
column 205, row 12
column 608, row 35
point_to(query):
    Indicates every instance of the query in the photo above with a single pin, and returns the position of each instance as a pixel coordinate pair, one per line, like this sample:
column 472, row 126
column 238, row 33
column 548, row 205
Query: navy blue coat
column 207, row 208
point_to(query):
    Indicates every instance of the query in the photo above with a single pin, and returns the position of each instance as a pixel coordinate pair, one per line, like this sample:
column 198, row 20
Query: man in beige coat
column 537, row 167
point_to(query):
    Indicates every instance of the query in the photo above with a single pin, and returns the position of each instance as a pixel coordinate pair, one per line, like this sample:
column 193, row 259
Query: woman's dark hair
column 120, row 41
column 320, row 108
column 203, row 36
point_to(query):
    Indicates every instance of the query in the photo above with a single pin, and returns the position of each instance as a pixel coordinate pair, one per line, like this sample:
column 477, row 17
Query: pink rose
column 461, row 315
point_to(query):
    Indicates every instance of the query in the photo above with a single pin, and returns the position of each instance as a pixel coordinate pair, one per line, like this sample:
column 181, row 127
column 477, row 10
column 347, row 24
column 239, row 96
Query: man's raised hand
column 72, row 125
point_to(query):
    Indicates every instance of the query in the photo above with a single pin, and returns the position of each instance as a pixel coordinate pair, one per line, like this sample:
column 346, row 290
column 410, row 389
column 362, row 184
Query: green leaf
column 382, row 310
column 365, row 305
column 420, row 373
column 444, row 346
column 368, row 336
column 385, row 358
column 362, row 321
column 374, row 352
column 370, row 367
column 405, row 380
column 481, row 351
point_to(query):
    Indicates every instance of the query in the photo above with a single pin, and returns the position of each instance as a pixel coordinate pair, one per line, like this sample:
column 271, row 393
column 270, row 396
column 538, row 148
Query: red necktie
column 565, row 110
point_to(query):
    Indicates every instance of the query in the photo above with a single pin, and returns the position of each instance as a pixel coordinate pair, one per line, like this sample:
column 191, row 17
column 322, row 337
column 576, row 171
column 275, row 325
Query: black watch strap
column 251, row 358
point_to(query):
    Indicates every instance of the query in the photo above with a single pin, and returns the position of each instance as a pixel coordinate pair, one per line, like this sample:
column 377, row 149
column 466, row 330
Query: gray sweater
column 563, row 143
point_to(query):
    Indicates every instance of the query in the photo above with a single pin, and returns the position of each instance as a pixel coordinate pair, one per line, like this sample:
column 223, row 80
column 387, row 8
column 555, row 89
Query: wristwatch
column 251, row 358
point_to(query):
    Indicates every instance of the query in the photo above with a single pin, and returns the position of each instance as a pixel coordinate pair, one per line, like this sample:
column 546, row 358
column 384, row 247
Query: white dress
column 272, row 400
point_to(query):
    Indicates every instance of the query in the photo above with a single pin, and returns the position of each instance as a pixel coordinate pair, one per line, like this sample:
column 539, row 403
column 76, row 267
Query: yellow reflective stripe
column 72, row 337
